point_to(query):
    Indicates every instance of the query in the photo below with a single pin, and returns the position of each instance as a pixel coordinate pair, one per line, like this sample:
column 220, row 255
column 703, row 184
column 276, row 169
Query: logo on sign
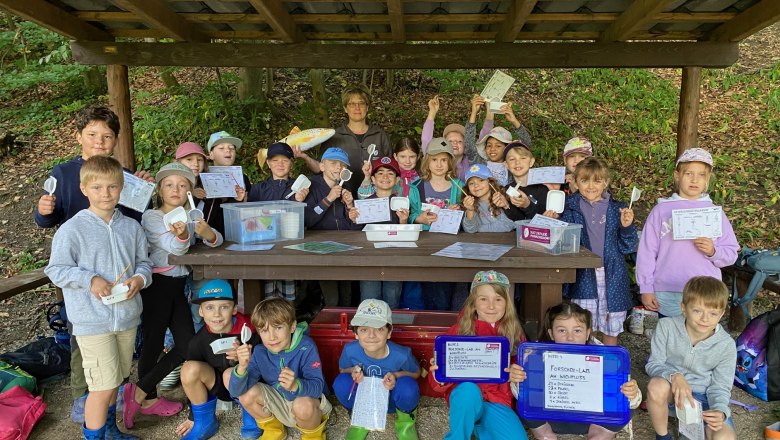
column 492, row 346
column 592, row 358
column 538, row 235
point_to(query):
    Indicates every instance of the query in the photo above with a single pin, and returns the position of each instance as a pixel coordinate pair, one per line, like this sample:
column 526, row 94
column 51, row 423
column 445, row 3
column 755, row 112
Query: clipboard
column 534, row 398
column 469, row 357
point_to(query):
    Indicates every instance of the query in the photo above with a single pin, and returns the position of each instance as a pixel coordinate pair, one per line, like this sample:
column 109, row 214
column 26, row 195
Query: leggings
column 165, row 306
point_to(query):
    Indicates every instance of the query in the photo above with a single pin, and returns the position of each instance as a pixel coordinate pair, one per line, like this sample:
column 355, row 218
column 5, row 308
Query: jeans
column 387, row 291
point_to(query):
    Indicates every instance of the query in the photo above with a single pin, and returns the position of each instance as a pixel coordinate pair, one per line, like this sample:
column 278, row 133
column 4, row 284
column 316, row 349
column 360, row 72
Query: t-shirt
column 399, row 358
column 438, row 198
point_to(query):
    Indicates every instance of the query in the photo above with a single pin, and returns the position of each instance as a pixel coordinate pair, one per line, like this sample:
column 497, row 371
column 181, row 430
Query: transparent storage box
column 261, row 222
column 548, row 239
column 390, row 232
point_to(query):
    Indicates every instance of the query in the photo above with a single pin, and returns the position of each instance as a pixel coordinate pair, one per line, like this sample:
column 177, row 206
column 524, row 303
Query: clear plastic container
column 551, row 240
column 262, row 222
column 390, row 232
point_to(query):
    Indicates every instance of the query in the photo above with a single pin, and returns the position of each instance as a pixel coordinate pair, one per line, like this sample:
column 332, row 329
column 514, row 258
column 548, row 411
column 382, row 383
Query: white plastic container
column 551, row 240
column 392, row 232
column 262, row 222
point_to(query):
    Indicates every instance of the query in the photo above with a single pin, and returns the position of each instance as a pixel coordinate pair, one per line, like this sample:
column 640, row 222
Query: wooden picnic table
column 542, row 274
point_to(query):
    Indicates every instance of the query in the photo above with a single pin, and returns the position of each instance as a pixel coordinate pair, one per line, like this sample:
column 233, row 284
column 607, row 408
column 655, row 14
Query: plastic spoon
column 345, row 175
column 50, row 184
column 635, row 194
column 246, row 334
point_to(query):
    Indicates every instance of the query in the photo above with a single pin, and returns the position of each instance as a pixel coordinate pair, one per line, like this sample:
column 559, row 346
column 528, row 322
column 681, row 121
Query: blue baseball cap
column 335, row 153
column 478, row 170
column 280, row 149
column 211, row 290
column 222, row 137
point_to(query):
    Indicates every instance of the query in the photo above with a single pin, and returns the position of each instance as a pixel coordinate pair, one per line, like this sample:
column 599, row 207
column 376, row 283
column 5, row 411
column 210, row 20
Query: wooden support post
column 119, row 101
column 688, row 118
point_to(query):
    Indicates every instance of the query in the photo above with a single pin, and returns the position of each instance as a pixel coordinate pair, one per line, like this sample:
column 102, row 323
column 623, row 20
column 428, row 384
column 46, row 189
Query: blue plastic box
column 479, row 347
column 616, row 368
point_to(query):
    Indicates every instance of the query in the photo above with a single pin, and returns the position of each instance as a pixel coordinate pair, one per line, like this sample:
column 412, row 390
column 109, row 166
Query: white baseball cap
column 372, row 313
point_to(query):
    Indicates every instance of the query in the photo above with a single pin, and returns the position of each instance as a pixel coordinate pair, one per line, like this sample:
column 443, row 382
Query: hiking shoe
column 170, row 381
column 77, row 411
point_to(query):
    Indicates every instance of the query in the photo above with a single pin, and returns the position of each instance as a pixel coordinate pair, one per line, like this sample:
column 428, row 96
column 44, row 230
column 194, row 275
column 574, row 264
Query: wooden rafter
column 410, row 56
column 395, row 10
column 55, row 19
column 748, row 22
column 279, row 20
column 638, row 14
column 515, row 20
column 158, row 15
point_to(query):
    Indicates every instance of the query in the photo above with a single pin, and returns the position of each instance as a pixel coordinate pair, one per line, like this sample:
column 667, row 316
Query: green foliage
column 26, row 261
column 457, row 81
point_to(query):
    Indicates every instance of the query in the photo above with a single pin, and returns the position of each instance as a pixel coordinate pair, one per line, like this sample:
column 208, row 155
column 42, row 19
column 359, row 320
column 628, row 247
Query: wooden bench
column 737, row 319
column 22, row 283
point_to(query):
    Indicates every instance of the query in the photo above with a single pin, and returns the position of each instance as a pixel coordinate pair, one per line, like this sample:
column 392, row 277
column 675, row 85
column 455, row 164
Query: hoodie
column 664, row 264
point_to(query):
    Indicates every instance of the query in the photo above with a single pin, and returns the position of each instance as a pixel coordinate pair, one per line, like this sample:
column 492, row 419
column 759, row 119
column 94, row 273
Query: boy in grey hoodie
column 96, row 253
column 693, row 357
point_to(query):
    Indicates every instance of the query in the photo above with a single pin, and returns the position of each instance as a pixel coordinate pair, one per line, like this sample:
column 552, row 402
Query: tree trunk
column 269, row 81
column 318, row 95
column 95, row 81
column 250, row 85
column 389, row 78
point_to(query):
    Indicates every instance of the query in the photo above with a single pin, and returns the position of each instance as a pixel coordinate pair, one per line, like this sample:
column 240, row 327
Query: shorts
column 107, row 358
column 669, row 303
column 219, row 388
column 281, row 408
column 611, row 324
column 705, row 405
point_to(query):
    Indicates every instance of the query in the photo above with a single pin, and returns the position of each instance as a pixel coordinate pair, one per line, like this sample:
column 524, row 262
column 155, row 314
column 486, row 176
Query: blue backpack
column 44, row 359
column 765, row 263
column 758, row 357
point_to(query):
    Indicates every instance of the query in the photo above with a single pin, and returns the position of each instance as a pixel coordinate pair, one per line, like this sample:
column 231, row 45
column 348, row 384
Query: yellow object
column 262, row 155
column 316, row 433
column 272, row 429
column 294, row 130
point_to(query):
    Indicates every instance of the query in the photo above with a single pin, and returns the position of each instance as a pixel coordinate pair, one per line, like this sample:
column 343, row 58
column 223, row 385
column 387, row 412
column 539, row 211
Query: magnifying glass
column 345, row 175
column 195, row 214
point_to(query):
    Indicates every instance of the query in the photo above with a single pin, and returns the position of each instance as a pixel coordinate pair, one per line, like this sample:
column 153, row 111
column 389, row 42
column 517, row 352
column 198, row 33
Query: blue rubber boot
column 93, row 434
column 112, row 431
column 205, row 417
column 249, row 428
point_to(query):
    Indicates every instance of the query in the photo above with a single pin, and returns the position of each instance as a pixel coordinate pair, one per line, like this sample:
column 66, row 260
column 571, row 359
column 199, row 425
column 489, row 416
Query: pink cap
column 187, row 148
column 695, row 155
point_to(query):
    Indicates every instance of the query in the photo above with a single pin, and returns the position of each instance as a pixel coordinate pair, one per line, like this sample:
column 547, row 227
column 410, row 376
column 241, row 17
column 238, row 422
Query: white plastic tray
column 392, row 232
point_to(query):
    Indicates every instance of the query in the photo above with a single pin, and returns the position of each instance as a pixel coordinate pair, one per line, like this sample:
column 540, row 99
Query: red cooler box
column 411, row 328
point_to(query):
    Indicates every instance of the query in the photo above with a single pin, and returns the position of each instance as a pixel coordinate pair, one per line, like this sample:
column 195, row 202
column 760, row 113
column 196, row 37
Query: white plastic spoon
column 371, row 151
column 635, row 194
column 246, row 334
column 195, row 214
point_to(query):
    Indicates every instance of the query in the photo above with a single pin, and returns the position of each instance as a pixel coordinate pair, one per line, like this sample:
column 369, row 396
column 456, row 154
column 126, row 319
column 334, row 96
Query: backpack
column 765, row 262
column 758, row 357
column 19, row 411
column 43, row 359
column 11, row 376
column 57, row 318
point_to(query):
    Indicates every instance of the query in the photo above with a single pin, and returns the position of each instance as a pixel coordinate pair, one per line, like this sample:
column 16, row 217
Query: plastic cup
column 290, row 225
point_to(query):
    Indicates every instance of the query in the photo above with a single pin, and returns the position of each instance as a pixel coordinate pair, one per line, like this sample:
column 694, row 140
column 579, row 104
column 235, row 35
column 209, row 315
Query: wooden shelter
column 403, row 34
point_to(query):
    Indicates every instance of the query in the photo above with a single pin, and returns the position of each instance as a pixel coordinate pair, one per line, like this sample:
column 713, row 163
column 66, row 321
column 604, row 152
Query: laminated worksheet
column 371, row 401
column 688, row 224
column 546, row 175
column 218, row 185
column 136, row 193
column 574, row 382
column 497, row 87
column 448, row 221
column 234, row 170
column 373, row 210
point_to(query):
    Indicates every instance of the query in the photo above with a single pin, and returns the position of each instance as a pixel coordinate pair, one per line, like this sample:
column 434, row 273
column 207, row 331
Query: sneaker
column 77, row 411
column 170, row 381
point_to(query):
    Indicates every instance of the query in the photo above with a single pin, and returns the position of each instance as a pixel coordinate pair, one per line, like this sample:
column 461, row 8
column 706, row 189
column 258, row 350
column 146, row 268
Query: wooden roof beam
column 55, row 19
column 410, row 56
column 158, row 15
column 638, row 14
column 748, row 22
column 516, row 17
column 395, row 9
column 279, row 20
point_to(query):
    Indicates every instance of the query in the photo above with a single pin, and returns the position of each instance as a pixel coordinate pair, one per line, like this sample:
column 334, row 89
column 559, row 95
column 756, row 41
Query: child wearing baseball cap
column 575, row 150
column 485, row 203
column 374, row 355
column 223, row 148
column 664, row 264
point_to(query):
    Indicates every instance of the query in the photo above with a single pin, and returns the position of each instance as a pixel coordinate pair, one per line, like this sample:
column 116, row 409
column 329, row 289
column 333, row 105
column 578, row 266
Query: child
column 568, row 323
column 484, row 204
column 518, row 159
column 437, row 185
column 577, row 149
column 485, row 410
column 280, row 383
column 222, row 152
column 490, row 148
column 278, row 187
column 193, row 157
column 205, row 373
column 92, row 252
column 97, row 128
column 665, row 264
column 455, row 134
column 693, row 357
column 384, row 177
column 608, row 232
column 406, row 153
column 165, row 306
column 375, row 356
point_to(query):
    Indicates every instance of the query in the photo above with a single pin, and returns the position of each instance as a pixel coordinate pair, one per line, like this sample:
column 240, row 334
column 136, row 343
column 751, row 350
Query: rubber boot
column 316, row 433
column 93, row 434
column 544, row 432
column 596, row 432
column 249, row 428
column 205, row 418
column 112, row 431
column 405, row 425
column 272, row 429
column 357, row 433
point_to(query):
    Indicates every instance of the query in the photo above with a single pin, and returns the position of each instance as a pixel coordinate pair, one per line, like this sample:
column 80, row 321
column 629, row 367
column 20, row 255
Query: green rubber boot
column 405, row 425
column 357, row 433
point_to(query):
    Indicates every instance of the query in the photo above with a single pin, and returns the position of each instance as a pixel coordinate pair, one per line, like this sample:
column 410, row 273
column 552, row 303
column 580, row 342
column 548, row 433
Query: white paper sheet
column 234, row 170
column 136, row 193
column 497, row 87
column 448, row 221
column 546, row 175
column 688, row 224
column 574, row 382
column 218, row 185
column 474, row 251
column 695, row 430
column 373, row 210
column 541, row 220
column 370, row 408
column 473, row 359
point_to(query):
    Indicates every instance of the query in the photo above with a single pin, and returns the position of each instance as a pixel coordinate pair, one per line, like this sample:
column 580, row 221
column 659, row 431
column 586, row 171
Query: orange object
column 772, row 431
